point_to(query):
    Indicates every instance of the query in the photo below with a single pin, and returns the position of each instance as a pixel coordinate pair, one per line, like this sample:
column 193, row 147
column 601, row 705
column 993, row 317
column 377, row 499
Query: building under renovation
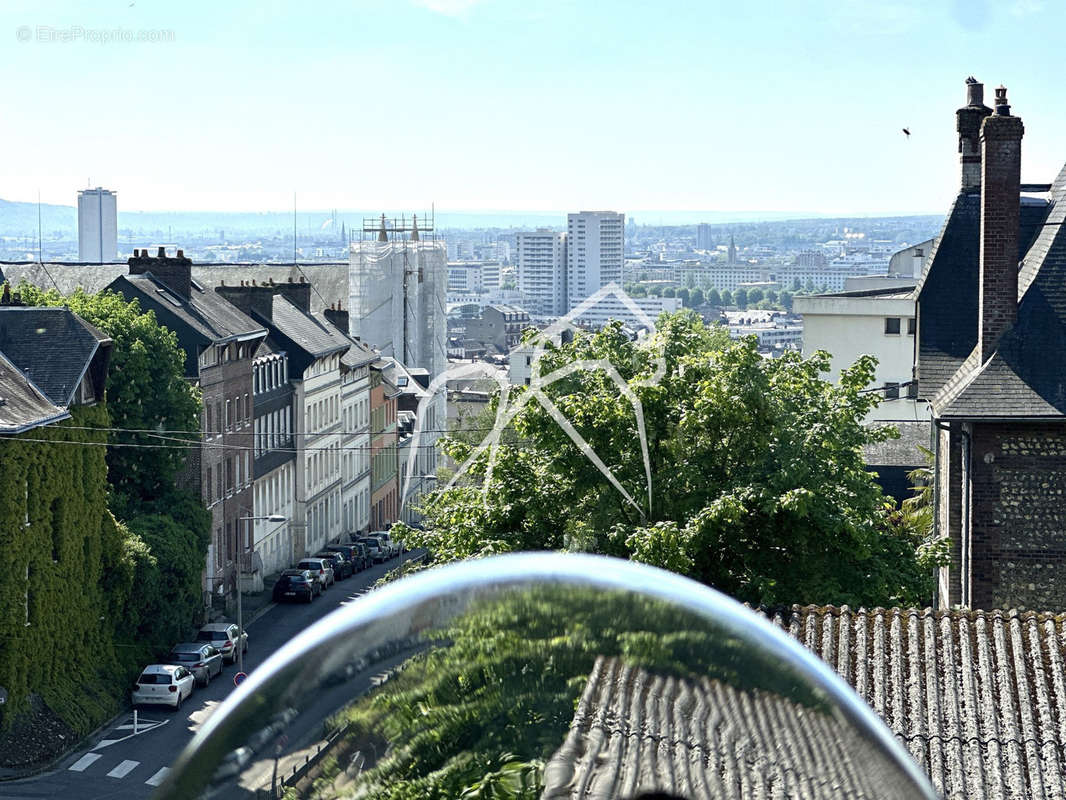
column 398, row 283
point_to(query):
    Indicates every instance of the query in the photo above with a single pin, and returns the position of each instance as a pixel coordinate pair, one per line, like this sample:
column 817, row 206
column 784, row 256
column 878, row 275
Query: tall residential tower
column 97, row 225
column 542, row 271
column 593, row 252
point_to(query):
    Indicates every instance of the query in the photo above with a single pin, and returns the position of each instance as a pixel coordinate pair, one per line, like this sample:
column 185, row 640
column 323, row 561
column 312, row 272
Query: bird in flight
column 908, row 132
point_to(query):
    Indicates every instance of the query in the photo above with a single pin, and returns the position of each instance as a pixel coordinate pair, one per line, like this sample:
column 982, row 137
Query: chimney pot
column 1002, row 106
column 181, row 254
column 222, row 282
column 162, row 252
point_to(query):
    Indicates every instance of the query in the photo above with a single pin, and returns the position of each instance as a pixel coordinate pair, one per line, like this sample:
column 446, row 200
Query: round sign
column 3, row 695
column 238, row 679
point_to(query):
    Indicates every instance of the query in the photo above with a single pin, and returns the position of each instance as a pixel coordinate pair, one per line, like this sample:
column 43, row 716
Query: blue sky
column 499, row 104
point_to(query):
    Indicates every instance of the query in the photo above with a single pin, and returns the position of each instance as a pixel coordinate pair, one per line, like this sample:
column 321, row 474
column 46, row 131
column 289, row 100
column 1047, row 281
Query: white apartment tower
column 542, row 271
column 97, row 225
column 594, row 250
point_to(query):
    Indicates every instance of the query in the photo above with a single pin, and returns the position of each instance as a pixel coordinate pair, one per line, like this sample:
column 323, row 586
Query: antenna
column 40, row 247
column 294, row 227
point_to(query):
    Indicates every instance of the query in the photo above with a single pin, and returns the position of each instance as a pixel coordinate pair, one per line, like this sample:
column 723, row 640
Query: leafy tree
column 759, row 486
column 740, row 297
column 786, row 300
column 796, row 285
column 714, row 298
column 669, row 291
column 638, row 291
column 755, row 296
column 772, row 296
column 146, row 390
column 727, row 297
column 697, row 298
column 685, row 295
column 809, row 286
column 654, row 290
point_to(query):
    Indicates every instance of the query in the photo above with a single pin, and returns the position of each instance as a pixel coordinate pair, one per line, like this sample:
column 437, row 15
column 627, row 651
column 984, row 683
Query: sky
column 553, row 105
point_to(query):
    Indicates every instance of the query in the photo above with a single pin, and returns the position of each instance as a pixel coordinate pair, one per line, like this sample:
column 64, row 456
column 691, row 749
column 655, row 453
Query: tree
column 741, row 298
column 685, row 295
column 654, row 290
column 755, row 295
column 697, row 298
column 669, row 291
column 786, row 300
column 772, row 296
column 758, row 482
column 713, row 298
column 146, row 391
column 796, row 285
column 638, row 291
column 809, row 286
column 727, row 297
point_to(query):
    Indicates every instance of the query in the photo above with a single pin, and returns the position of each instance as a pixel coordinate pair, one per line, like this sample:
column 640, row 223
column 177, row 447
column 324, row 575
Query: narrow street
column 121, row 764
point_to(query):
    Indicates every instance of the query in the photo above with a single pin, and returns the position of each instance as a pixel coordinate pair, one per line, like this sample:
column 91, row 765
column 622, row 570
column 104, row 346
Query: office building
column 97, row 225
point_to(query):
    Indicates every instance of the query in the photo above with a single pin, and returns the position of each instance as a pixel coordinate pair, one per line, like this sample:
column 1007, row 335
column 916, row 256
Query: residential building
column 473, row 277
column 992, row 364
column 704, row 237
column 97, row 225
column 611, row 306
column 274, row 461
column 499, row 327
column 220, row 344
column 594, row 253
column 384, row 503
column 775, row 331
column 542, row 271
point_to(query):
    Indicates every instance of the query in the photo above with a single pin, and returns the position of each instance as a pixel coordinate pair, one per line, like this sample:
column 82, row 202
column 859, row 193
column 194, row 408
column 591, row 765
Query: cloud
column 451, row 8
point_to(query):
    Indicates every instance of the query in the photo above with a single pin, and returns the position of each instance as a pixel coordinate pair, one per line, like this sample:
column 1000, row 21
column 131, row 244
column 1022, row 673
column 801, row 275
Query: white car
column 390, row 547
column 223, row 637
column 163, row 684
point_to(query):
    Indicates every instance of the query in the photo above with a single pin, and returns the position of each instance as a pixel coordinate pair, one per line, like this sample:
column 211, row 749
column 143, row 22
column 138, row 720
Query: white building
column 97, row 225
column 473, row 277
column 594, row 253
column 355, row 437
column 610, row 307
column 274, row 463
column 880, row 323
column 541, row 259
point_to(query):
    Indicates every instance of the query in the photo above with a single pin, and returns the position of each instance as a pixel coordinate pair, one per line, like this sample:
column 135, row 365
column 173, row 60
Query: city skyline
column 705, row 109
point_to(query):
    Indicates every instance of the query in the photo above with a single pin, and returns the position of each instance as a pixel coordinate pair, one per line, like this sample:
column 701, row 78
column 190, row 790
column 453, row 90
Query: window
column 892, row 326
column 208, row 486
column 912, row 390
column 891, row 391
column 912, row 326
column 229, row 416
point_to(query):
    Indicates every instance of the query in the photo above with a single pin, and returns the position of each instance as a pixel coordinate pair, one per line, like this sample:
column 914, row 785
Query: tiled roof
column 314, row 336
column 977, row 698
column 206, row 312
column 51, row 346
column 902, row 452
column 22, row 405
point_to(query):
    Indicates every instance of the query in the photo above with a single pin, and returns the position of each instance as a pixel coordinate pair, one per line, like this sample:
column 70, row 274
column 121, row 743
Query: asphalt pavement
column 122, row 763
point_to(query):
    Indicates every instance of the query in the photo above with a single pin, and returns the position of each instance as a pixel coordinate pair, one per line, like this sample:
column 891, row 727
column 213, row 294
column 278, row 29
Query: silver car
column 204, row 661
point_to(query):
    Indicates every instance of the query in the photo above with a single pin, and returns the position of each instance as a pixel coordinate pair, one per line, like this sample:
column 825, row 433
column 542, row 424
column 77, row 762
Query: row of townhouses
column 301, row 421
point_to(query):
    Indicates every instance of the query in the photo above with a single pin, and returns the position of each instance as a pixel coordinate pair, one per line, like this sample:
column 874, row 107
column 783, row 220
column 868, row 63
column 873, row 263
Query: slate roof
column 51, row 346
column 977, row 698
column 902, row 452
column 947, row 293
column 206, row 312
column 22, row 405
column 316, row 337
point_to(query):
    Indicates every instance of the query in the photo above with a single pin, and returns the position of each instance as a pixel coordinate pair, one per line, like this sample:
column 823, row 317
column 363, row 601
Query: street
column 122, row 764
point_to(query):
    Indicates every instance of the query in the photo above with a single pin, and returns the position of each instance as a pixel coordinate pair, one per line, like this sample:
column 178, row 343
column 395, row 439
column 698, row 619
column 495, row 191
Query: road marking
column 158, row 778
column 84, row 762
column 123, row 769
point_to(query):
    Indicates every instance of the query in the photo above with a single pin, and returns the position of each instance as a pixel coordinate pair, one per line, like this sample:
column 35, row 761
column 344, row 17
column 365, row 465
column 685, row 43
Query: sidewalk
column 253, row 604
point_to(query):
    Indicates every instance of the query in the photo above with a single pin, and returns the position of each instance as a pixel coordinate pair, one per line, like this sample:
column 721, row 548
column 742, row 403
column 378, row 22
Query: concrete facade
column 542, row 271
column 594, row 253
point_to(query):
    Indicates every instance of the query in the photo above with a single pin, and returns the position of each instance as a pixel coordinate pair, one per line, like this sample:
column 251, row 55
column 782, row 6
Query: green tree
column 786, row 300
column 727, row 297
column 669, row 291
column 755, row 295
column 809, row 286
column 146, row 391
column 654, row 290
column 772, row 296
column 796, row 285
column 714, row 298
column 740, row 297
column 697, row 298
column 685, row 295
column 759, row 486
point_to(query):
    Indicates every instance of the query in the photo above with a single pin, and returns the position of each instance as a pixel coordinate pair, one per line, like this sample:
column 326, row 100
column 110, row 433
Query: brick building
column 991, row 361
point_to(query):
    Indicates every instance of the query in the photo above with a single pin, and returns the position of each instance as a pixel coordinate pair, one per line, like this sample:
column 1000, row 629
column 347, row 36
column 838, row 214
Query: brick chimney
column 175, row 273
column 968, row 121
column 338, row 316
column 248, row 298
column 1001, row 167
column 299, row 294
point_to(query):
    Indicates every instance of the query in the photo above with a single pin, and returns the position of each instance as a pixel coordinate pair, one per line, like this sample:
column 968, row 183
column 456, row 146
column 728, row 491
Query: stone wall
column 1019, row 516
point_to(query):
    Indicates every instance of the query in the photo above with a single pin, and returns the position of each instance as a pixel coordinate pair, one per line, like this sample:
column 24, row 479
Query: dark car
column 342, row 567
column 203, row 660
column 355, row 553
column 295, row 584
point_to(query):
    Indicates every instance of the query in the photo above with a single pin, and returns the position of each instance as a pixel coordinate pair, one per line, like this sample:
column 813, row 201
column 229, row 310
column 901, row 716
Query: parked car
column 223, row 635
column 387, row 544
column 373, row 549
column 163, row 684
column 342, row 567
column 320, row 569
column 203, row 660
column 296, row 584
column 355, row 553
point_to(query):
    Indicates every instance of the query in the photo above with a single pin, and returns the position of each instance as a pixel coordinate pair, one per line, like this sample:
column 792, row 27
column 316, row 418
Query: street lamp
column 240, row 565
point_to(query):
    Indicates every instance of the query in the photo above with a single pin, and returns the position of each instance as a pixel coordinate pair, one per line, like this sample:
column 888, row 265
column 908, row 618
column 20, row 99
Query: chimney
column 174, row 273
column 298, row 293
column 968, row 121
column 247, row 298
column 1001, row 167
column 338, row 317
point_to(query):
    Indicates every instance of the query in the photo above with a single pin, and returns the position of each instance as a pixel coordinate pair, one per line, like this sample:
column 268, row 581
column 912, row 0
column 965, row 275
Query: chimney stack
column 1001, row 167
column 968, row 121
column 174, row 272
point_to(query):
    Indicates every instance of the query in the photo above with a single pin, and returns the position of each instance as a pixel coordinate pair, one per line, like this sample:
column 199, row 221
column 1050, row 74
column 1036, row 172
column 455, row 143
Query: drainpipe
column 966, row 548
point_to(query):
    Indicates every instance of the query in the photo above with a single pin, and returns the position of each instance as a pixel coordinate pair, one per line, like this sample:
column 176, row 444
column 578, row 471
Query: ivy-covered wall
column 65, row 575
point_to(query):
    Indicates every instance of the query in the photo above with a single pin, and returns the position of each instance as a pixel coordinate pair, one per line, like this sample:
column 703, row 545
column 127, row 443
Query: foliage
column 714, row 298
column 697, row 298
column 759, row 486
column 685, row 294
column 727, row 297
column 740, row 297
column 146, row 390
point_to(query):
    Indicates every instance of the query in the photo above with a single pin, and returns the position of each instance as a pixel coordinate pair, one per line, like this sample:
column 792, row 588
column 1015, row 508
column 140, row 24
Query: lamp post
column 240, row 569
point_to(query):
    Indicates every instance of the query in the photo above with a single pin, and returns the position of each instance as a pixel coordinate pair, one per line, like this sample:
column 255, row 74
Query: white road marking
column 158, row 778
column 123, row 769
column 84, row 762
column 105, row 743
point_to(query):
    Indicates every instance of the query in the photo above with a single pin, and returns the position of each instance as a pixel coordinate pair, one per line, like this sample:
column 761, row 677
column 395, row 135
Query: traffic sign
column 238, row 679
